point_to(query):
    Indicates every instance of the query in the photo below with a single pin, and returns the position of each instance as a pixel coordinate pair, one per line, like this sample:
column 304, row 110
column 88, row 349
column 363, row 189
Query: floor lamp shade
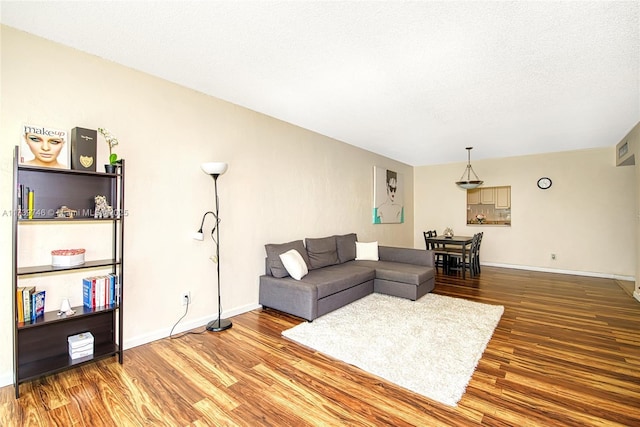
column 214, row 168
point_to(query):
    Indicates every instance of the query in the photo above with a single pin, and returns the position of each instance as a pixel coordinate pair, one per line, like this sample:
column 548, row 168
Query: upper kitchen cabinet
column 473, row 196
column 503, row 197
column 481, row 196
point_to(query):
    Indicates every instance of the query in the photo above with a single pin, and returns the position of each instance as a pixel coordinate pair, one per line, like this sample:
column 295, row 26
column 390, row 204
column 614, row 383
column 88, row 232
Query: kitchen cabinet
column 503, row 197
column 487, row 196
column 481, row 196
column 473, row 196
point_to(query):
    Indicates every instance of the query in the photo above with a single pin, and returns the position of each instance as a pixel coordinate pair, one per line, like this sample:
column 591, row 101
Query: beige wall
column 633, row 137
column 283, row 183
column 587, row 218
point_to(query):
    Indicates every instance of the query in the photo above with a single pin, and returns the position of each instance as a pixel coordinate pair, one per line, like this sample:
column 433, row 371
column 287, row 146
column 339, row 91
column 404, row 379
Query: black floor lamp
column 215, row 169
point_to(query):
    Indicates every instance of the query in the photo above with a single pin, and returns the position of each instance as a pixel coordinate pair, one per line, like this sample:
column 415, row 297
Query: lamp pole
column 219, row 324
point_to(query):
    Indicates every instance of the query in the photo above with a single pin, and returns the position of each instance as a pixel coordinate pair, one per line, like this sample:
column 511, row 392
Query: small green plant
column 112, row 141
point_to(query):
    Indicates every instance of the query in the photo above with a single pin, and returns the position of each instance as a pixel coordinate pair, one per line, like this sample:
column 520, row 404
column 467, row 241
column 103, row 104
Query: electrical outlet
column 186, row 298
column 553, row 256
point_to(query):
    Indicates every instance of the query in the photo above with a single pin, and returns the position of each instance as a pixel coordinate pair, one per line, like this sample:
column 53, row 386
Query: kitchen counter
column 498, row 222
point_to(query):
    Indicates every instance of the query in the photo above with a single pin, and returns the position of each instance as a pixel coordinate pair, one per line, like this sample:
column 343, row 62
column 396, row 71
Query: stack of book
column 29, row 303
column 100, row 291
column 26, row 198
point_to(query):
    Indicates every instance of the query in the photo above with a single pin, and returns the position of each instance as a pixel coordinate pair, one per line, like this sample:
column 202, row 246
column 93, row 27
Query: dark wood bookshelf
column 41, row 347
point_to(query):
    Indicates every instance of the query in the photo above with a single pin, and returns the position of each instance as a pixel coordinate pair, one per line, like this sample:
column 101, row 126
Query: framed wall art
column 388, row 196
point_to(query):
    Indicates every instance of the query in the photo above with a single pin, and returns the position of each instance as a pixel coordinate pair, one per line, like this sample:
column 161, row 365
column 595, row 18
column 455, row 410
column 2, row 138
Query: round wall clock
column 544, row 183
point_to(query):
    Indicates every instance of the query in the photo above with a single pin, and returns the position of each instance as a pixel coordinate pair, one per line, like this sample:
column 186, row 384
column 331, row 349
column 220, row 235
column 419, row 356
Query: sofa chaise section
column 403, row 272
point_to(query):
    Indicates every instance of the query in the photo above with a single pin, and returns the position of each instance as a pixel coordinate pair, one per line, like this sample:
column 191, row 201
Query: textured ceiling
column 414, row 81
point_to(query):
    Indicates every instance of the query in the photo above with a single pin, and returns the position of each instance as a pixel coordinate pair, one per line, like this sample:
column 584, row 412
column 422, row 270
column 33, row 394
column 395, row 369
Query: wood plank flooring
column 566, row 352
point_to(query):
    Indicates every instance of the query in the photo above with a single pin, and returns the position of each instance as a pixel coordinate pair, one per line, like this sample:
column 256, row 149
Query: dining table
column 461, row 243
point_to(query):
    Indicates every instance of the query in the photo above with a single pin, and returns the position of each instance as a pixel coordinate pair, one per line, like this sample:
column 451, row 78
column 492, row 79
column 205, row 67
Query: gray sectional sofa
column 336, row 276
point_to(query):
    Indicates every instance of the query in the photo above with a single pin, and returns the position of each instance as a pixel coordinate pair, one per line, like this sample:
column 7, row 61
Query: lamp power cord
column 186, row 310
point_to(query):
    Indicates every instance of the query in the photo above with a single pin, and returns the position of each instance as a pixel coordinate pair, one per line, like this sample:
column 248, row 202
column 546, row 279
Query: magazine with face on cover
column 44, row 147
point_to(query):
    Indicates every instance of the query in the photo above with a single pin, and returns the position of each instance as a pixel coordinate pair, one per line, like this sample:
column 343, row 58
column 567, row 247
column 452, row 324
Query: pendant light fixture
column 468, row 183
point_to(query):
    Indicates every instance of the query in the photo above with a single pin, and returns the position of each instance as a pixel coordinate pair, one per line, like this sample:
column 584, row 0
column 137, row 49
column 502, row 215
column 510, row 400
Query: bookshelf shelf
column 38, row 269
column 40, row 347
column 61, row 362
column 52, row 316
column 64, row 220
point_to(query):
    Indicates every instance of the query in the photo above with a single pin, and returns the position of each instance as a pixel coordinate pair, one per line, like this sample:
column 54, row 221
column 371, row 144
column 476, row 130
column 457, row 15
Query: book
column 20, row 304
column 100, row 286
column 37, row 305
column 88, row 292
column 105, row 292
column 116, row 290
column 23, row 206
column 112, row 288
column 19, row 207
column 30, row 202
column 44, row 147
column 27, row 292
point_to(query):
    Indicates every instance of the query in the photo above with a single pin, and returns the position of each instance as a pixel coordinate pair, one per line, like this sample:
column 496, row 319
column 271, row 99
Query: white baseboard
column 636, row 294
column 182, row 327
column 552, row 270
column 7, row 377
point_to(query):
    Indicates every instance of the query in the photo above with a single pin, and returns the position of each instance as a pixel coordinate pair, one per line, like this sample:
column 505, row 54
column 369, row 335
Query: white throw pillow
column 367, row 251
column 294, row 263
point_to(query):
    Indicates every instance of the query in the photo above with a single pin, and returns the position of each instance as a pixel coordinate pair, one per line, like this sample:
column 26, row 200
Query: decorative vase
column 110, row 168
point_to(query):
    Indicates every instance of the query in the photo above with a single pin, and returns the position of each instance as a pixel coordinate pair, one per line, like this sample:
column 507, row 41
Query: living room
column 283, row 183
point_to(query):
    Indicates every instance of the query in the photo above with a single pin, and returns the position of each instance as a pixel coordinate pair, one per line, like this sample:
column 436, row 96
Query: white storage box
column 80, row 345
column 67, row 257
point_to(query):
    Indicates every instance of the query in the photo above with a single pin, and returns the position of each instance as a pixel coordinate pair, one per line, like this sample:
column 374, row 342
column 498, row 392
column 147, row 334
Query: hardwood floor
column 566, row 352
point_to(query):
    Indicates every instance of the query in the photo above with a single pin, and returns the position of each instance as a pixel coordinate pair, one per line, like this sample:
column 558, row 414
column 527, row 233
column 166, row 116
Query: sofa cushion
column 367, row 251
column 273, row 256
column 322, row 252
column 337, row 278
column 346, row 245
column 295, row 265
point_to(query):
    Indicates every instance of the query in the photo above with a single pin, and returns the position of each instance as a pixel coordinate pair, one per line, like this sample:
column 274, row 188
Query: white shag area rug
column 430, row 346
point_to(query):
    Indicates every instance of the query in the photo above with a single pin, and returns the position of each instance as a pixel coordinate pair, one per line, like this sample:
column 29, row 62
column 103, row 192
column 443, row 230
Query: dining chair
column 441, row 257
column 470, row 258
column 474, row 256
column 443, row 252
column 477, row 254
